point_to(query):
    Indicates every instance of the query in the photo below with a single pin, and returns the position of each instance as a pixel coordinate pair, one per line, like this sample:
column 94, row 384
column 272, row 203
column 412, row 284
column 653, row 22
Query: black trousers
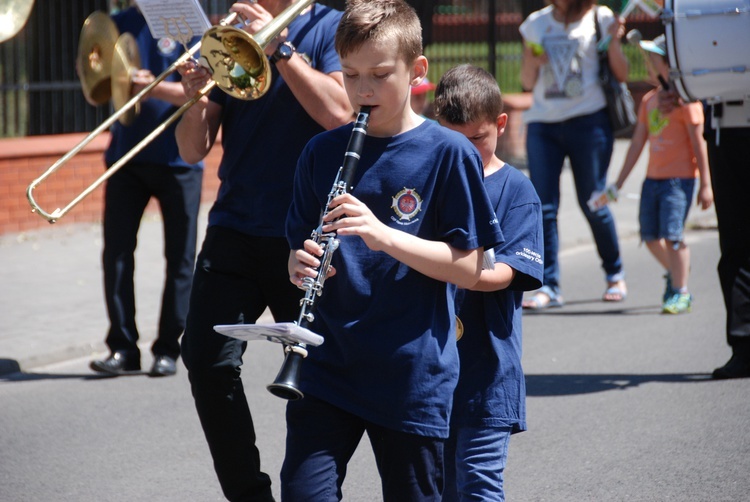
column 236, row 277
column 178, row 191
column 730, row 176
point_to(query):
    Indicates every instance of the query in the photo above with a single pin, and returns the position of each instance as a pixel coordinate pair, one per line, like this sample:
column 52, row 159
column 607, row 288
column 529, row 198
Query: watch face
column 285, row 51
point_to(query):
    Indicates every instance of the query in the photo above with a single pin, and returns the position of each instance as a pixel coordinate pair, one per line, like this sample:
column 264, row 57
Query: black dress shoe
column 163, row 366
column 736, row 367
column 117, row 364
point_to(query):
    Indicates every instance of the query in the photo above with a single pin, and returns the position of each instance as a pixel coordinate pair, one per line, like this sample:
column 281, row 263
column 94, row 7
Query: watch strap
column 277, row 55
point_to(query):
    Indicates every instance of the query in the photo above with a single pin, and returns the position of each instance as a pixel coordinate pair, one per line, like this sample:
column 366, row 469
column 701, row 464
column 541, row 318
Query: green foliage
column 508, row 61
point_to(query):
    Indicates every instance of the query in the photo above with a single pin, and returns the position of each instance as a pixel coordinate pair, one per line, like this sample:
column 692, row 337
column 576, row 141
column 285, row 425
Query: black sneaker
column 163, row 366
column 736, row 367
column 117, row 364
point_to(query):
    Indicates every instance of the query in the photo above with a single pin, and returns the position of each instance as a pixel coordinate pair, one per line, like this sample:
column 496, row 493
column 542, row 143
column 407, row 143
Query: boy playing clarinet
column 411, row 231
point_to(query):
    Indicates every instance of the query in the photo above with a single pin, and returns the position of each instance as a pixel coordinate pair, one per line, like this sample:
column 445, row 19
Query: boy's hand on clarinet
column 350, row 216
column 304, row 263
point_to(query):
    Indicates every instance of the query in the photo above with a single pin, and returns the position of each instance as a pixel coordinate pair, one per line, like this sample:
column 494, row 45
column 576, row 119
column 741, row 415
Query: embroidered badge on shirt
column 166, row 46
column 407, row 203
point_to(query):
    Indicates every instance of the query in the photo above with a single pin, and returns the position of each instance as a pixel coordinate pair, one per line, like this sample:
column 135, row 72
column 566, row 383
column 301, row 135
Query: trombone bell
column 236, row 61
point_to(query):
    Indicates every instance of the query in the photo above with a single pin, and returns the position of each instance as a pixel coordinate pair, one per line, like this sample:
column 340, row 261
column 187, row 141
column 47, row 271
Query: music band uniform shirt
column 390, row 354
column 491, row 389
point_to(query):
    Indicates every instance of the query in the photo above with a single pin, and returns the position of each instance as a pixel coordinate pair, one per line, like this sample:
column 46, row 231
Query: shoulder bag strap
column 603, row 56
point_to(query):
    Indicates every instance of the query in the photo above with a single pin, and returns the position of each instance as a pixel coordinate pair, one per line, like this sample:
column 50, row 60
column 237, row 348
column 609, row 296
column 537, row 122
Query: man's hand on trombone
column 194, row 78
column 256, row 17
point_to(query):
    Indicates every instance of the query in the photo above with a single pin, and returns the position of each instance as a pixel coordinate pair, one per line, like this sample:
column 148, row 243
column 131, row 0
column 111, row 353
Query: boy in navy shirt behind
column 490, row 401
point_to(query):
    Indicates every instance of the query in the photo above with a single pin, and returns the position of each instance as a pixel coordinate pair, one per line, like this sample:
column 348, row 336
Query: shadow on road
column 20, row 376
column 565, row 385
column 598, row 307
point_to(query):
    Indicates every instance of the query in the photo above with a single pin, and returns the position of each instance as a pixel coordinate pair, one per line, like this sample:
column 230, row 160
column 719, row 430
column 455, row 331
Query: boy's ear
column 502, row 122
column 419, row 70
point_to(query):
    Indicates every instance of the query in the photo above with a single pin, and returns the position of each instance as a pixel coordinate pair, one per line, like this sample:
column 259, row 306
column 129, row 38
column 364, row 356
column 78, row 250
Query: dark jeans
column 730, row 177
column 127, row 193
column 321, row 440
column 236, row 277
column 587, row 141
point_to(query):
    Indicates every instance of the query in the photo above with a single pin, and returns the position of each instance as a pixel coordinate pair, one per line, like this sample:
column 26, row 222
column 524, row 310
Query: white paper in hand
column 280, row 332
column 488, row 259
column 179, row 20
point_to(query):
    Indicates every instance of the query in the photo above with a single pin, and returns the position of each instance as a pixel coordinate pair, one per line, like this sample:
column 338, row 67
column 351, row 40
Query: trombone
column 238, row 66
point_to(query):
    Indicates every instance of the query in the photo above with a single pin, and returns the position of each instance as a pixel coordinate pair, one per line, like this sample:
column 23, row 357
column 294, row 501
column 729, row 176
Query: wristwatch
column 283, row 51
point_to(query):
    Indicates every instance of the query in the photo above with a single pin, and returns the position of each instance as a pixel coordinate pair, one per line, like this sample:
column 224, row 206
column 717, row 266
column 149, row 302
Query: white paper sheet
column 180, row 20
column 280, row 332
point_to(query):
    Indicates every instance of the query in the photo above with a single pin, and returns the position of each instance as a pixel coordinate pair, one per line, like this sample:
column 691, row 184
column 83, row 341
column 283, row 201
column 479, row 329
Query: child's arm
column 435, row 259
column 495, row 280
column 705, row 193
column 637, row 142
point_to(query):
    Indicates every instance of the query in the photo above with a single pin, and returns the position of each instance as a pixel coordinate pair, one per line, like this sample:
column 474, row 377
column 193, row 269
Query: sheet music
column 280, row 332
column 180, row 20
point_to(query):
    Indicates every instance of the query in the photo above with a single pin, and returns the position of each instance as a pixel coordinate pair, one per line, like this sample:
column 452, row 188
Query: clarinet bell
column 286, row 384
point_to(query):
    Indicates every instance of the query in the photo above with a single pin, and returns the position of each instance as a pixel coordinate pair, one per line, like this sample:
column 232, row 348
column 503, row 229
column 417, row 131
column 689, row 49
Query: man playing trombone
column 157, row 171
column 242, row 266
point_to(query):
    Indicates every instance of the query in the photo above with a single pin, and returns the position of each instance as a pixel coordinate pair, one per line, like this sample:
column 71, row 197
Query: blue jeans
column 664, row 208
column 587, row 141
column 475, row 459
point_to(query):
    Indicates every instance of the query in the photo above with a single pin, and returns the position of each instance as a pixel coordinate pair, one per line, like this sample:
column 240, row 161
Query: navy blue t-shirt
column 491, row 390
column 263, row 138
column 390, row 354
column 156, row 56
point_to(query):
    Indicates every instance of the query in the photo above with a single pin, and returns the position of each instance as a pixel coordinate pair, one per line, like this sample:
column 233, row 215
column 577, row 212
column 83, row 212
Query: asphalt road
column 620, row 408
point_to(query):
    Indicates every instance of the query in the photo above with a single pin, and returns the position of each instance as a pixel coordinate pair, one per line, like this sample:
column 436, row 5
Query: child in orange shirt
column 677, row 156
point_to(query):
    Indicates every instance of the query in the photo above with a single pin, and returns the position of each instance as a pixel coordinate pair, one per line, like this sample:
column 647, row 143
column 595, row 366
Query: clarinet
column 286, row 383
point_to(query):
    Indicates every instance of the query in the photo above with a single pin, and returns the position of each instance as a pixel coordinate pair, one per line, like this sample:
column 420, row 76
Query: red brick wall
column 22, row 160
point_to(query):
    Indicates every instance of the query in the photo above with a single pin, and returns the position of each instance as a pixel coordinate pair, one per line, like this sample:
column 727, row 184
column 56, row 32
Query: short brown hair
column 394, row 21
column 576, row 7
column 467, row 93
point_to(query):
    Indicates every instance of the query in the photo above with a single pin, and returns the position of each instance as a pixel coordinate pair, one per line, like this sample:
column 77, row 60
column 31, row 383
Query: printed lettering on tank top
column 563, row 76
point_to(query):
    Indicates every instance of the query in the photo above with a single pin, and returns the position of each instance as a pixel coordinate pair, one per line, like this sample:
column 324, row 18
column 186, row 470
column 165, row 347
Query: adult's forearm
column 321, row 95
column 194, row 134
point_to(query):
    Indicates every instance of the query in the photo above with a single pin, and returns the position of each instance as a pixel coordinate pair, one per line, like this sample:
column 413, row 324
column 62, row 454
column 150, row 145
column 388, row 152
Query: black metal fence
column 41, row 94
